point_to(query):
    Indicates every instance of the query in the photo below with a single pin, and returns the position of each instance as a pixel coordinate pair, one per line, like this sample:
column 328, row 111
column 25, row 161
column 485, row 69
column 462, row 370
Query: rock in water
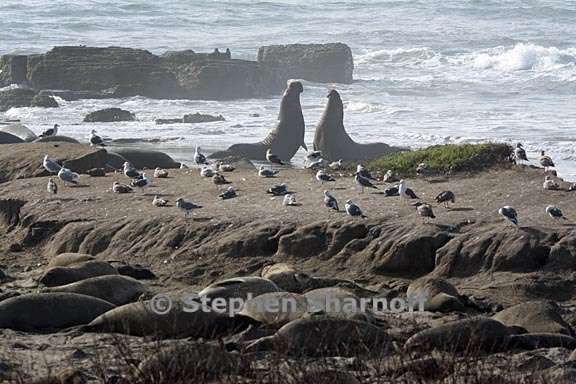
column 285, row 140
column 44, row 101
column 109, row 115
column 333, row 141
column 43, row 311
column 16, row 98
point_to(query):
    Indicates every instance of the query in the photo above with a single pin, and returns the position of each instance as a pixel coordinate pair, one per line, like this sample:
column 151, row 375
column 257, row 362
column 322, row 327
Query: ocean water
column 426, row 71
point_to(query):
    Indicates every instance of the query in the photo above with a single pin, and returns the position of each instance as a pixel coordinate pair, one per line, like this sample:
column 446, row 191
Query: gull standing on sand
column 207, row 172
column 52, row 187
column 121, row 188
column 186, row 206
column 95, row 139
column 267, row 172
column 425, row 210
column 353, row 210
column 446, row 197
column 278, row 190
column 330, row 201
column 550, row 184
column 322, row 176
column 289, row 200
column 159, row 202
column 316, row 164
column 509, row 213
column 271, row 157
column 199, row 158
column 50, row 165
column 520, row 153
column 67, row 176
column 555, row 212
column 50, row 132
column 402, row 190
column 160, row 173
column 130, row 171
column 141, row 183
column 362, row 171
column 219, row 180
column 363, row 182
column 228, row 194
column 546, row 161
column 336, row 165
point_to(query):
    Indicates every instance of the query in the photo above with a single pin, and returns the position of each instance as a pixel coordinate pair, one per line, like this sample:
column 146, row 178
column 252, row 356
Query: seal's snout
column 296, row 86
column 333, row 93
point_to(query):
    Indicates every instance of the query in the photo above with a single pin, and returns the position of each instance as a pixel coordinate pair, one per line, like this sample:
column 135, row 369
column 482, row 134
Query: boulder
column 192, row 118
column 43, row 100
column 322, row 63
column 13, row 69
column 142, row 158
column 7, row 138
column 20, row 161
column 19, row 130
column 16, row 98
column 109, row 115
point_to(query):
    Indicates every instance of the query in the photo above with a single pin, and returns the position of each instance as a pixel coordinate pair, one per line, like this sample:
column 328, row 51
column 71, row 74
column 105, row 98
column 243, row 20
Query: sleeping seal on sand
column 65, row 275
column 333, row 141
column 285, row 140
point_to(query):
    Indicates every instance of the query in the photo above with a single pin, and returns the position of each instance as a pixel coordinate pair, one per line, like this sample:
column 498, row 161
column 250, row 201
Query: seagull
column 207, row 172
column 423, row 170
column 425, row 210
column 555, row 212
column 50, row 165
column 278, row 190
column 314, row 155
column 271, row 157
column 186, row 206
column 330, row 201
column 141, row 183
column 446, row 197
column 363, row 182
column 121, row 188
column 316, row 164
column 402, row 187
column 183, row 166
column 52, row 187
column 550, row 184
column 546, row 161
column 51, row 131
column 336, row 165
column 228, row 194
column 266, row 172
column 226, row 167
column 360, row 169
column 390, row 177
column 353, row 210
column 509, row 213
column 289, row 199
column 67, row 176
column 160, row 173
column 219, row 180
column 198, row 157
column 95, row 139
column 130, row 171
column 322, row 176
column 159, row 202
column 520, row 153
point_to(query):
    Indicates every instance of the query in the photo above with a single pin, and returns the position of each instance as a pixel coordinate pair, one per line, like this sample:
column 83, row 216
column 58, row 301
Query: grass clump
column 446, row 158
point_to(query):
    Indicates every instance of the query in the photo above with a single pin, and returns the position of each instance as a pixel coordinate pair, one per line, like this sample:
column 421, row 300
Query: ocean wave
column 396, row 55
column 524, row 57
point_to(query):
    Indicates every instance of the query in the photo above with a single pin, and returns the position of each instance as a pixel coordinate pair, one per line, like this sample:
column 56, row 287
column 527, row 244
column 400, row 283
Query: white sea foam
column 524, row 57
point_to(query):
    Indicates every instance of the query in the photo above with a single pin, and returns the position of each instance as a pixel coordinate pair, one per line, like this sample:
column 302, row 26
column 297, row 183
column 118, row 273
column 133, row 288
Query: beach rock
column 109, row 115
column 19, row 130
column 322, row 63
column 536, row 317
column 440, row 295
column 7, row 138
column 19, row 161
column 59, row 310
column 13, row 69
column 57, row 139
column 192, row 118
column 44, row 101
column 142, row 158
column 16, row 98
column 58, row 276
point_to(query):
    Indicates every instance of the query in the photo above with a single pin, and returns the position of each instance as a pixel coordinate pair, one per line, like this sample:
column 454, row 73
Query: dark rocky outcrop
column 323, row 63
column 192, row 118
column 109, row 115
column 44, row 101
column 16, row 98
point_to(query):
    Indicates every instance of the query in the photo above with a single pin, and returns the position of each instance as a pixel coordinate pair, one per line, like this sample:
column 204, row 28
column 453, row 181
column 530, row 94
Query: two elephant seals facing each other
column 45, row 311
column 285, row 140
column 333, row 141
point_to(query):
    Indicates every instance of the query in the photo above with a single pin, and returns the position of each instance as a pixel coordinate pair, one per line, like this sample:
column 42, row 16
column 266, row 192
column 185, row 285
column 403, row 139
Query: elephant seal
column 276, row 308
column 332, row 140
column 67, row 259
column 441, row 296
column 333, row 301
column 143, row 158
column 139, row 319
column 61, row 139
column 21, row 131
column 8, row 138
column 41, row 311
column 241, row 288
column 65, row 275
column 114, row 160
column 532, row 341
column 325, row 337
column 286, row 277
column 189, row 361
column 115, row 289
column 285, row 140
column 471, row 335
column 536, row 317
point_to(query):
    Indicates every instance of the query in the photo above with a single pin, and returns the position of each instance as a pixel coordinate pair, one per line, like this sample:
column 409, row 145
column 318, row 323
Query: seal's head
column 295, row 86
column 333, row 94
